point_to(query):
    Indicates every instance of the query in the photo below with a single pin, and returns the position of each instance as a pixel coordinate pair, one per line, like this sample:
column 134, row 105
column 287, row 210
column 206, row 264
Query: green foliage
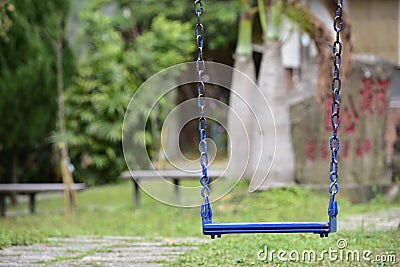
column 96, row 100
column 19, row 237
column 275, row 20
column 167, row 43
column 244, row 42
column 219, row 18
column 28, row 74
column 301, row 17
column 27, row 87
column 112, row 72
column 5, row 21
column 221, row 23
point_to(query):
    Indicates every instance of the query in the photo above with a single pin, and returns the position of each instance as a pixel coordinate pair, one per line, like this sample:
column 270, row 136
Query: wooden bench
column 174, row 175
column 31, row 190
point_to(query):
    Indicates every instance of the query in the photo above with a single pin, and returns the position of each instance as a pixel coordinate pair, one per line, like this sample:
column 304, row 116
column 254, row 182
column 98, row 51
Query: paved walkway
column 114, row 251
column 385, row 220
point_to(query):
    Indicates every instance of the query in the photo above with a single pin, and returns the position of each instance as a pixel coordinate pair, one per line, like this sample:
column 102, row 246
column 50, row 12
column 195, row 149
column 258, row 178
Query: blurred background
column 69, row 68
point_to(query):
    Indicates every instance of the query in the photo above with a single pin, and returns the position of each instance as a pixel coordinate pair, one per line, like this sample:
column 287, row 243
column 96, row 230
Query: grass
column 108, row 210
column 243, row 250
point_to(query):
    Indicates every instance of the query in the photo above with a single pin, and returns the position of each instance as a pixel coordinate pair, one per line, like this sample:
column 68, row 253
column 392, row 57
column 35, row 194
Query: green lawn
column 108, row 210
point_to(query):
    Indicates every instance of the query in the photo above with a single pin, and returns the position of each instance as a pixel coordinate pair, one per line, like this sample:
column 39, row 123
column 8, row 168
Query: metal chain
column 206, row 212
column 336, row 86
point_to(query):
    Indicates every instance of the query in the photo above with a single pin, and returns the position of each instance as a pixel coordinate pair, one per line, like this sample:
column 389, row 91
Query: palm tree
column 241, row 96
column 272, row 84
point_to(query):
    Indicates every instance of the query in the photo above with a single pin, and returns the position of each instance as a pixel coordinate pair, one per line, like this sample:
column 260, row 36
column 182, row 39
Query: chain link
column 206, row 212
column 336, row 87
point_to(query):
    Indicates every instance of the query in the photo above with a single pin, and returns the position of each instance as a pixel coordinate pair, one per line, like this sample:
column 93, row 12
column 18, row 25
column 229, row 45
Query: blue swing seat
column 218, row 229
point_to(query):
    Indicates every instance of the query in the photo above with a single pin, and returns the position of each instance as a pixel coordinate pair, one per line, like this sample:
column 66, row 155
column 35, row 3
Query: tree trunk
column 240, row 101
column 60, row 89
column 272, row 84
column 14, row 172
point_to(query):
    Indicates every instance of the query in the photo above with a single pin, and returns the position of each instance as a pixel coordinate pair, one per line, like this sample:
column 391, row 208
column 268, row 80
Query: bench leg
column 176, row 189
column 71, row 200
column 136, row 196
column 3, row 205
column 32, row 203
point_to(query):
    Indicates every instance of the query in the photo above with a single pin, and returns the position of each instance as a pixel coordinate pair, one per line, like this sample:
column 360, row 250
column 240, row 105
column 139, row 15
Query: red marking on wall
column 346, row 149
column 363, row 147
column 350, row 117
column 383, row 85
column 328, row 114
column 367, row 146
column 359, row 148
column 310, row 150
column 366, row 97
column 319, row 149
column 323, row 149
column 381, row 97
column 353, row 108
column 370, row 99
column 348, row 121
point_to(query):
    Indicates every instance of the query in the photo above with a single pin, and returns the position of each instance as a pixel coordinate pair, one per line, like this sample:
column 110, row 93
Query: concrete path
column 112, row 251
column 385, row 220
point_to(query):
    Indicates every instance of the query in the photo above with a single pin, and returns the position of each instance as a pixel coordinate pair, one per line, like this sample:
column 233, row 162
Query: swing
column 322, row 228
